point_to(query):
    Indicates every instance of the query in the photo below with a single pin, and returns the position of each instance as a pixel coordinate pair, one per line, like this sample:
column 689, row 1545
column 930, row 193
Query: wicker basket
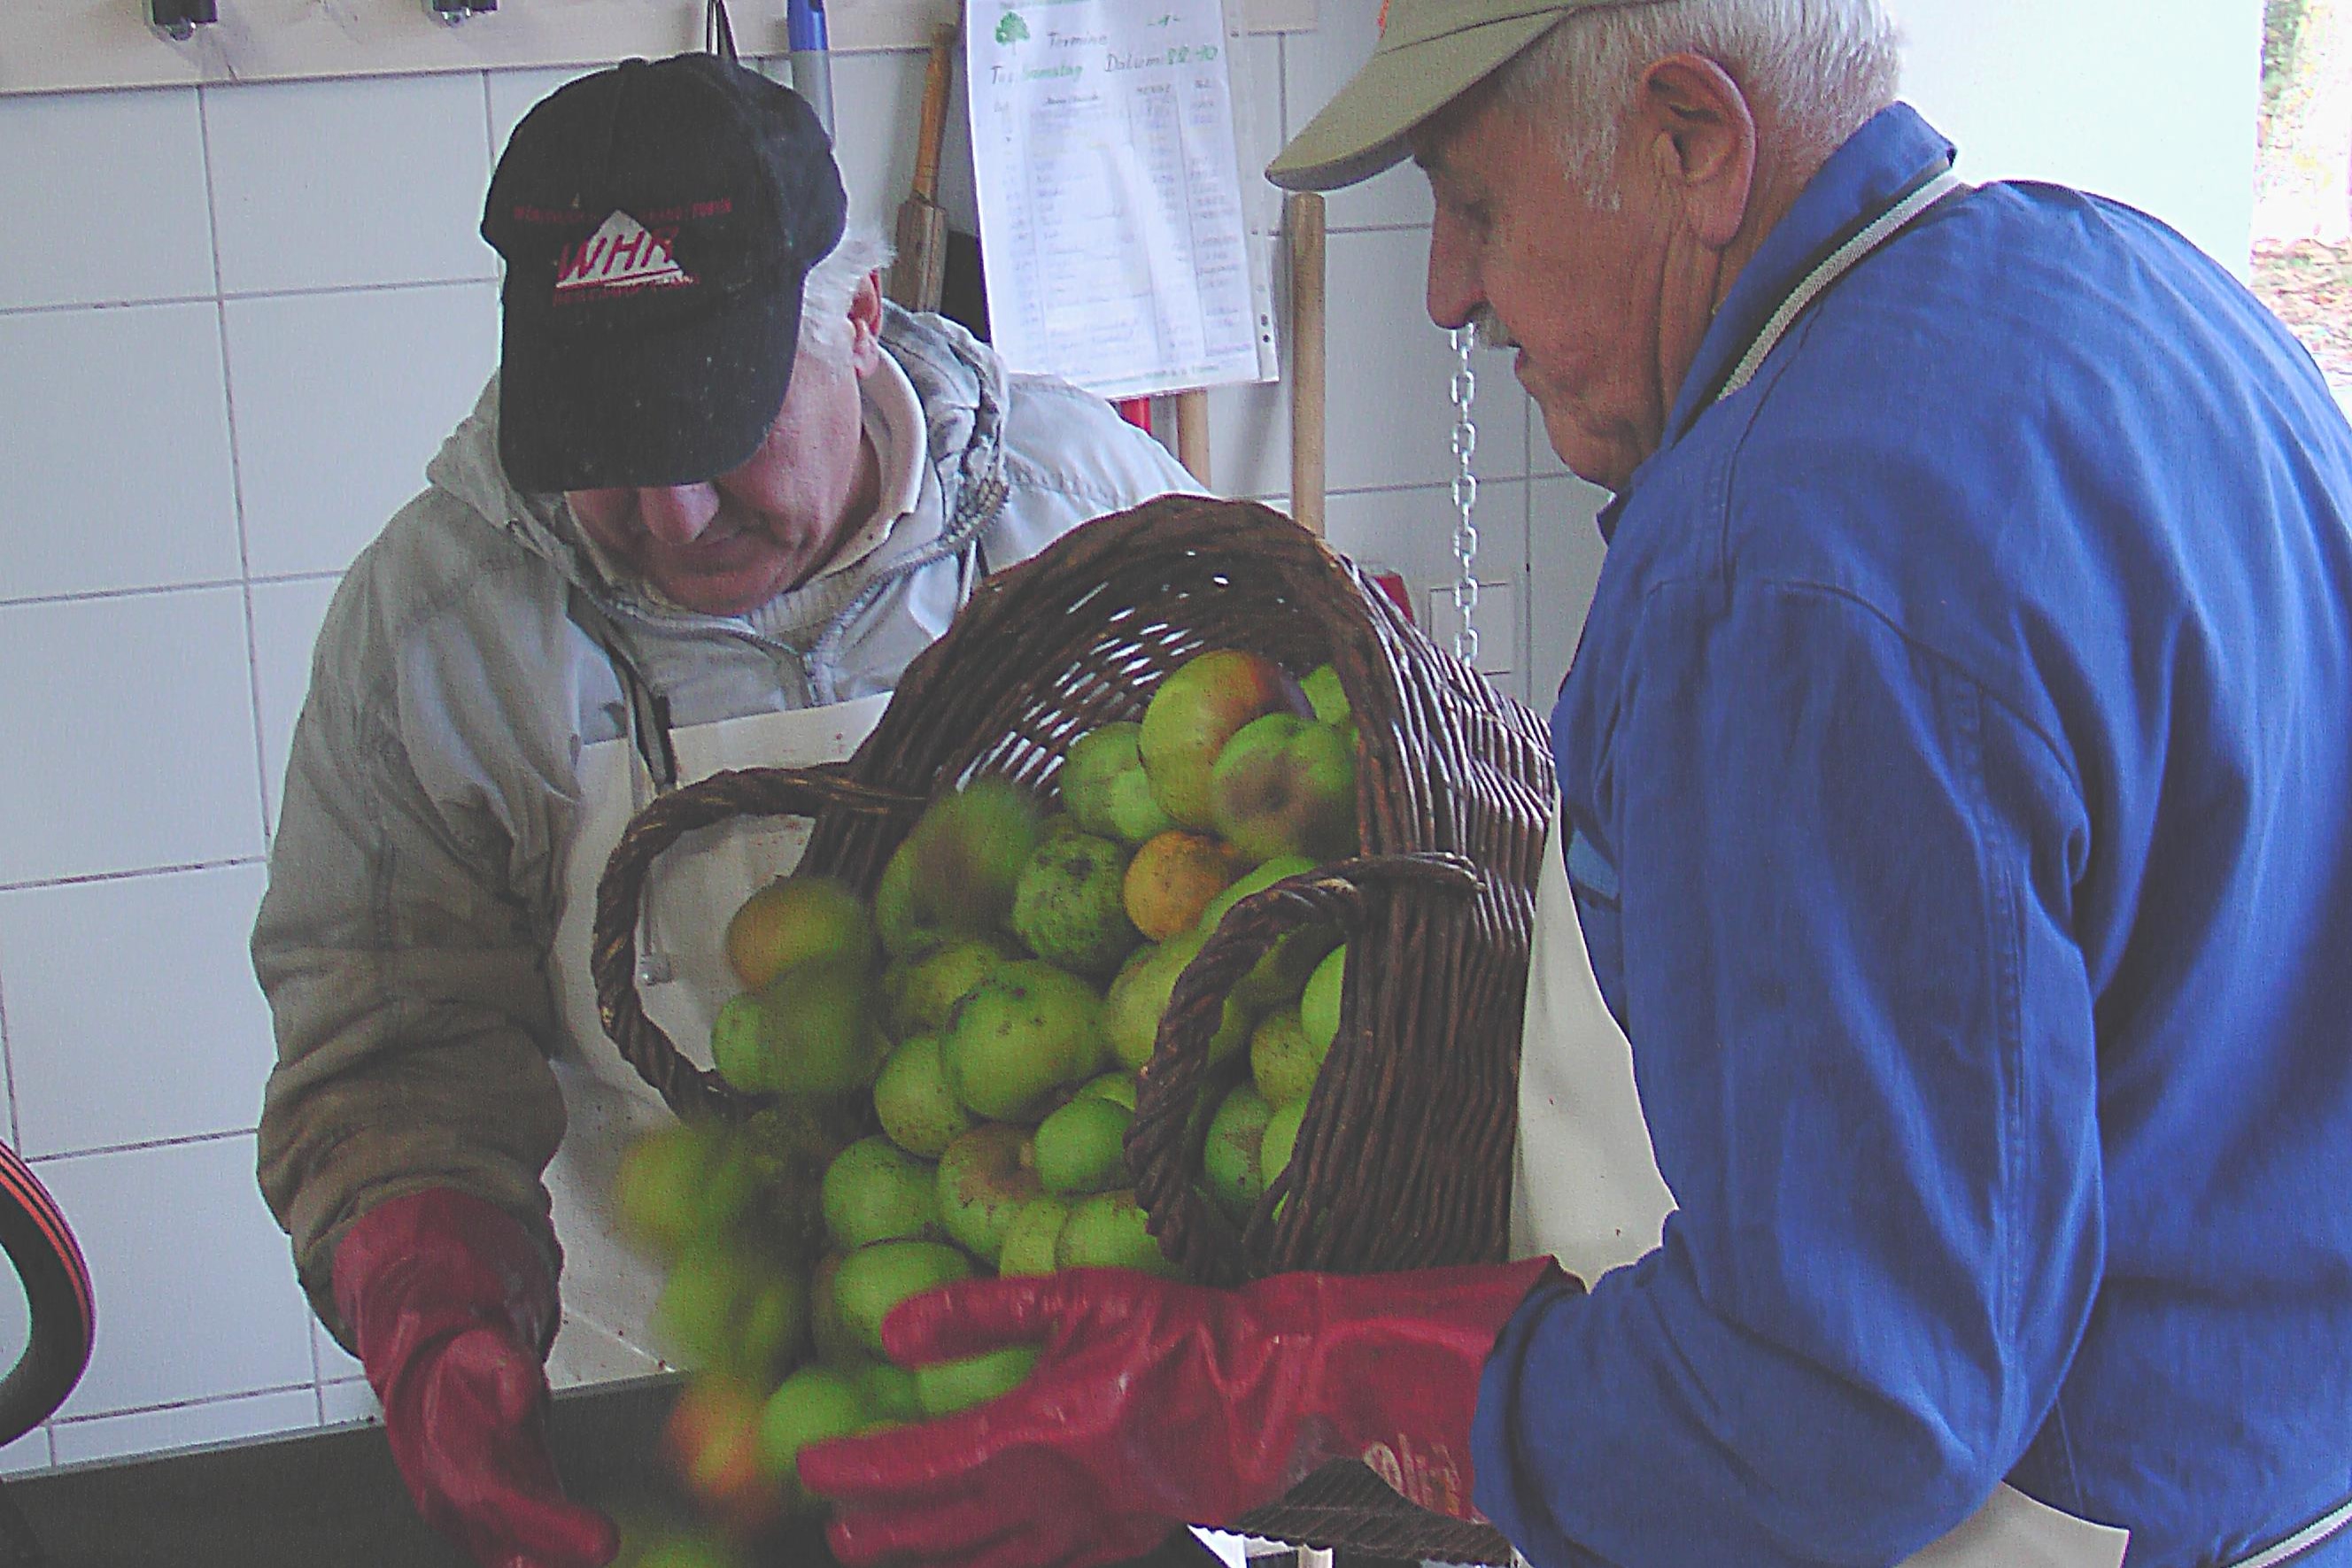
column 1404, row 1155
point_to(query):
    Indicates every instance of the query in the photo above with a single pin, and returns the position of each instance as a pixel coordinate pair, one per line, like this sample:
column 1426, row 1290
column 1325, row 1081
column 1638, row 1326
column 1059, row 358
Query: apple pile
column 954, row 1065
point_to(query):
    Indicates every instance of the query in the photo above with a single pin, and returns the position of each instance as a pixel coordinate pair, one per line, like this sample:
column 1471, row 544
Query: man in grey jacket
column 718, row 489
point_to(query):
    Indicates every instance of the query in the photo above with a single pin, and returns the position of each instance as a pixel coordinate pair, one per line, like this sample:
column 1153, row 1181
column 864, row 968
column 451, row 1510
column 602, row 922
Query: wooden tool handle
column 1303, row 218
column 932, row 134
column 1192, row 433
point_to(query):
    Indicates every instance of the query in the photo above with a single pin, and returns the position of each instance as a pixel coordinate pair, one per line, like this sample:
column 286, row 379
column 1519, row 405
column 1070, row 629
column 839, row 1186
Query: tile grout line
column 244, row 296
column 171, row 1405
column 235, row 478
column 95, row 595
column 83, row 879
column 8, row 1071
column 142, row 1146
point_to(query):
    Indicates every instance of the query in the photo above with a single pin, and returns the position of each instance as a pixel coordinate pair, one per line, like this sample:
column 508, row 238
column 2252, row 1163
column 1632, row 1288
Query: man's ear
column 866, row 324
column 1702, row 139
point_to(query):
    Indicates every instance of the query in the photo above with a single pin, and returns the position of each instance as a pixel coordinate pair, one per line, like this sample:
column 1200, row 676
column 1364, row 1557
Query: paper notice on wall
column 1111, row 224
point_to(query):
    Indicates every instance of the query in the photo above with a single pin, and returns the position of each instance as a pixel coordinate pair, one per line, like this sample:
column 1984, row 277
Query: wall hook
column 179, row 19
column 451, row 12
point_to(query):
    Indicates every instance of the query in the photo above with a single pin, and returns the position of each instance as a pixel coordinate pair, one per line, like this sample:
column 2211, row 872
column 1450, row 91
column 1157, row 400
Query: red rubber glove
column 1154, row 1403
column 452, row 1308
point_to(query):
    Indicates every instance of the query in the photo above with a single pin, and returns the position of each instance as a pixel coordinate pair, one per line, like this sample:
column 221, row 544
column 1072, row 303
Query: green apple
column 1319, row 1004
column 913, row 1102
column 680, row 1181
column 772, row 1333
column 952, row 875
column 1263, row 877
column 829, row 1332
column 683, row 1552
column 888, row 1391
column 1280, row 1138
column 1139, row 996
column 1285, row 786
column 711, row 1438
column 1135, row 811
column 812, row 1406
column 1197, row 708
column 984, row 1178
column 876, row 1277
column 1118, row 1086
column 1229, row 1159
column 969, row 848
column 694, row 1316
column 907, row 925
column 876, row 1191
column 1082, row 1147
column 926, row 989
column 784, row 1151
column 1106, row 789
column 1108, row 1230
column 739, row 1045
column 819, row 1030
column 1283, row 1060
column 945, row 1388
column 1325, row 695
column 1070, row 903
column 1024, row 1031
column 1029, row 1241
column 732, row 1311
column 794, row 920
column 1274, row 981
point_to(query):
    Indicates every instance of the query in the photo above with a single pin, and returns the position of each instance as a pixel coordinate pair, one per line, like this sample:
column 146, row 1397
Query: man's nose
column 677, row 514
column 1453, row 289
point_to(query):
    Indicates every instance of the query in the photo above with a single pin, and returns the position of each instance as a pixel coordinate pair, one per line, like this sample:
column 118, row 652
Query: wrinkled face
column 734, row 542
column 1575, row 285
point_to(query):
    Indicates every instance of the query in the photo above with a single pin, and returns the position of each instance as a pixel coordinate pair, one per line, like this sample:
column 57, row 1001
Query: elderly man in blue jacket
column 1956, row 805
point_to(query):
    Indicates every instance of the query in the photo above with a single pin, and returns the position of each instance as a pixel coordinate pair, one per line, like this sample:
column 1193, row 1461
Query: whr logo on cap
column 622, row 254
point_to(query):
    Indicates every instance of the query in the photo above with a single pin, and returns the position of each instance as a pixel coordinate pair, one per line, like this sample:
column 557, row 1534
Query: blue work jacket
column 1958, row 758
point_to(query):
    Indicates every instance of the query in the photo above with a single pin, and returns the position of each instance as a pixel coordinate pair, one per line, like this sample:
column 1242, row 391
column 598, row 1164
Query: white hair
column 832, row 283
column 1821, row 66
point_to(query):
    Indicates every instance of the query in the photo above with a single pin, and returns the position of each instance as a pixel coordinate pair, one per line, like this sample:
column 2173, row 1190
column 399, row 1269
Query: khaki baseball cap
column 1431, row 52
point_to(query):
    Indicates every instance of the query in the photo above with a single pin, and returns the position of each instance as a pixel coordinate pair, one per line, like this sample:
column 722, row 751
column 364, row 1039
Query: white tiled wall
column 235, row 322
column 252, row 315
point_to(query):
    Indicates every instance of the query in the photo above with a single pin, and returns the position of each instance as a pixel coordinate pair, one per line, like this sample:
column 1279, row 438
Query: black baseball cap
column 657, row 221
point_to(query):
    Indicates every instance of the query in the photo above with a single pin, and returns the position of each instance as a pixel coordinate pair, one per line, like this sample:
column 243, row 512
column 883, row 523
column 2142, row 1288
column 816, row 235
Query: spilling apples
column 955, row 1065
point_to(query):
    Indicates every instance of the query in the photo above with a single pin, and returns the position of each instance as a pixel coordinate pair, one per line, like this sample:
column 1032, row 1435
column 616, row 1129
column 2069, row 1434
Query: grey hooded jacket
column 415, row 876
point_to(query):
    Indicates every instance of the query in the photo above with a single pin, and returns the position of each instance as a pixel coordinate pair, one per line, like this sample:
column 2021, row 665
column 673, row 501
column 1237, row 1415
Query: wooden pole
column 920, row 266
column 1302, row 213
column 1192, row 433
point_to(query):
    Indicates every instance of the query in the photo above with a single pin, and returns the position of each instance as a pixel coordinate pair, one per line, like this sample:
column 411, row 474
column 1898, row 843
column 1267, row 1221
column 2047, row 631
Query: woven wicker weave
column 1404, row 1157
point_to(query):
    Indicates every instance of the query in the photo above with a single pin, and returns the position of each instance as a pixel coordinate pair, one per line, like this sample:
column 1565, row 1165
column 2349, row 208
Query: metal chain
column 1466, row 497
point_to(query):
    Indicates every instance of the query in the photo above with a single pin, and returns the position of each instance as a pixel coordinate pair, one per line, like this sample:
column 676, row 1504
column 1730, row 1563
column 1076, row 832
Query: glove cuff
column 418, row 1268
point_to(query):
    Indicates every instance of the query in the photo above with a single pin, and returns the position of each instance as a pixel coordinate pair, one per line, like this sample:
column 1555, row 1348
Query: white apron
column 1586, row 1189
column 609, row 1286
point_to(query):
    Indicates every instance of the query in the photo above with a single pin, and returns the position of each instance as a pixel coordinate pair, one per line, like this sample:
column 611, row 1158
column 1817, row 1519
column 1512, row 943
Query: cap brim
column 1362, row 130
column 677, row 405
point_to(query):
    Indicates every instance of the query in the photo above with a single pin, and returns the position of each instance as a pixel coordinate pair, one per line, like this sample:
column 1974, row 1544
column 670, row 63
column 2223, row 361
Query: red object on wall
column 1391, row 581
column 1137, row 412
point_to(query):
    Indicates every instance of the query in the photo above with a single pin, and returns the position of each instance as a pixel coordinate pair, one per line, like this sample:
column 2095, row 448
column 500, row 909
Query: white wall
column 234, row 324
column 2153, row 104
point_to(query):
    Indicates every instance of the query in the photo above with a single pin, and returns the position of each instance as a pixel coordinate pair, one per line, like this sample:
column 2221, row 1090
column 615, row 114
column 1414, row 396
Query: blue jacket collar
column 1872, row 171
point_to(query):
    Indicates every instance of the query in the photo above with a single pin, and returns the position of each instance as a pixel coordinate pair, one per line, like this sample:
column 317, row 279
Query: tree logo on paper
column 622, row 254
column 1011, row 28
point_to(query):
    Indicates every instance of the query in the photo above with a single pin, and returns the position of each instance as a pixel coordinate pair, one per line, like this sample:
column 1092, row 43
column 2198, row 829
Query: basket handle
column 1165, row 1141
column 620, row 895
column 48, row 1263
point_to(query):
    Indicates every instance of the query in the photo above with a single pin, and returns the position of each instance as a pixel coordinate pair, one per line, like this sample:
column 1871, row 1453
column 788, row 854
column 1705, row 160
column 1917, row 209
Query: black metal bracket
column 453, row 11
column 179, row 19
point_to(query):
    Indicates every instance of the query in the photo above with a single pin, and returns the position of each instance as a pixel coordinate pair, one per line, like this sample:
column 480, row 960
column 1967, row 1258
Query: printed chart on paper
column 1110, row 204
